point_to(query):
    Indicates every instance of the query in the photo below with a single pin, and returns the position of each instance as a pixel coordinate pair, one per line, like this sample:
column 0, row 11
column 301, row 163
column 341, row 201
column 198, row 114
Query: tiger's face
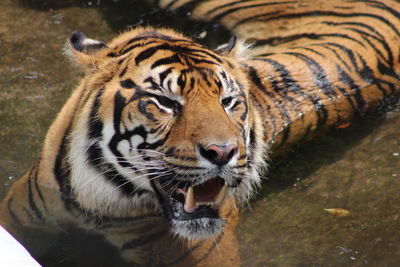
column 170, row 126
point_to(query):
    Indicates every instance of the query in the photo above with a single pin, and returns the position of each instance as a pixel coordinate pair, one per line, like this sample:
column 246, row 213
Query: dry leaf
column 343, row 126
column 337, row 212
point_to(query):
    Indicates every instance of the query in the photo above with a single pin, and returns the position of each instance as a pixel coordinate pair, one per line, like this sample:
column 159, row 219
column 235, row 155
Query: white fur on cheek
column 91, row 188
column 258, row 164
column 140, row 180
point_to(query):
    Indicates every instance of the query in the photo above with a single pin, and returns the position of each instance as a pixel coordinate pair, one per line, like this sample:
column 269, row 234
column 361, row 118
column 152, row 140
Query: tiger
column 163, row 138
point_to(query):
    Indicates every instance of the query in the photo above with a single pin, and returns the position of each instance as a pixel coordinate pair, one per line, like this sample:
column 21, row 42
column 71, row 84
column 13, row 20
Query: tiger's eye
column 226, row 101
column 168, row 103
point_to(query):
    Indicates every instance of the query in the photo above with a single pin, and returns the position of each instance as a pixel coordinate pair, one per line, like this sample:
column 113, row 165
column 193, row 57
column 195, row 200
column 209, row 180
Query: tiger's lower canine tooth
column 189, row 200
column 221, row 196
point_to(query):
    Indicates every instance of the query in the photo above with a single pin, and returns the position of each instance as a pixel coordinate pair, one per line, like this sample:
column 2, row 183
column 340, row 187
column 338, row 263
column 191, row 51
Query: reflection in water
column 356, row 168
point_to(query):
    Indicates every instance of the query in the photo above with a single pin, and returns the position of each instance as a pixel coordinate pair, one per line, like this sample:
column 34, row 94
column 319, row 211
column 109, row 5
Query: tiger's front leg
column 31, row 203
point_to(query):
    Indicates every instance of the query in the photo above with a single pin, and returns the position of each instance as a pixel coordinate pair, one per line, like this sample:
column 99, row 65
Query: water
column 356, row 168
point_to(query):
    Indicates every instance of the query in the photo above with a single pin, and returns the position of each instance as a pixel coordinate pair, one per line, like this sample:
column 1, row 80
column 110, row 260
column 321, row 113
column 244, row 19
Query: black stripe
column 185, row 167
column 111, row 54
column 12, row 214
column 35, row 180
column 240, row 166
column 137, row 38
column 240, row 8
column 85, row 96
column 383, row 6
column 360, row 24
column 387, row 71
column 343, row 7
column 119, row 104
column 392, row 86
column 318, row 73
column 185, row 254
column 253, row 143
column 123, row 72
column 381, row 38
column 290, row 85
column 285, row 135
column 227, row 5
column 143, row 109
column 353, row 87
column 182, row 157
column 95, row 153
column 95, row 157
column 321, row 112
column 143, row 241
column 345, row 91
column 195, row 52
column 32, row 203
column 389, row 60
column 128, row 49
column 116, row 222
column 182, row 80
column 167, row 60
column 217, row 240
column 348, row 52
column 313, row 36
column 310, row 50
column 28, row 214
column 150, row 51
column 186, row 8
column 313, row 14
column 244, row 156
column 122, row 60
column 182, row 50
column 368, row 75
column 154, row 85
column 156, row 37
column 128, row 84
column 255, row 79
column 154, row 145
column 62, row 174
column 95, row 124
column 164, row 75
column 199, row 61
column 338, row 57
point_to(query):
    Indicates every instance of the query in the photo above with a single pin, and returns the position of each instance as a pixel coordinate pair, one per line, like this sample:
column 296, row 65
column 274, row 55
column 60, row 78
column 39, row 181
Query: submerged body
column 163, row 127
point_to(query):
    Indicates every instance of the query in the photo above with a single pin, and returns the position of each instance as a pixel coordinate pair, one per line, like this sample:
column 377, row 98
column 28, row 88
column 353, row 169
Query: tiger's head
column 163, row 124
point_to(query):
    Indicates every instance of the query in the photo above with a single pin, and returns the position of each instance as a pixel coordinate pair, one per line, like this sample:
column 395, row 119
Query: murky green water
column 357, row 168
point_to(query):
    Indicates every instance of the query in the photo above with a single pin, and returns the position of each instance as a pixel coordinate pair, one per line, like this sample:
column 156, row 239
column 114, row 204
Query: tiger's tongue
column 211, row 193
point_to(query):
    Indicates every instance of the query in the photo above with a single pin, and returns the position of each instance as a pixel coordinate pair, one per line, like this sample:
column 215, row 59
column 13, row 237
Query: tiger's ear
column 226, row 49
column 84, row 52
column 233, row 48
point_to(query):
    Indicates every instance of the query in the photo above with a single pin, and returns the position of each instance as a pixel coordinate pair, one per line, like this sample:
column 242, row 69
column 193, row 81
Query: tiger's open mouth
column 193, row 210
column 195, row 201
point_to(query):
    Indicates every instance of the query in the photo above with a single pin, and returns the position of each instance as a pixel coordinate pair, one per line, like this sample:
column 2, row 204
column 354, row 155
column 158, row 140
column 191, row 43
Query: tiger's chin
column 194, row 229
column 194, row 211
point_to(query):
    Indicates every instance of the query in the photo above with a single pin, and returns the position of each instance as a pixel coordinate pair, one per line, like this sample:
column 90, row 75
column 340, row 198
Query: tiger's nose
column 218, row 154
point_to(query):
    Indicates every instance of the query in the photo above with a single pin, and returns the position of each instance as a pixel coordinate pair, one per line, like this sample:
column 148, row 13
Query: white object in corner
column 12, row 253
